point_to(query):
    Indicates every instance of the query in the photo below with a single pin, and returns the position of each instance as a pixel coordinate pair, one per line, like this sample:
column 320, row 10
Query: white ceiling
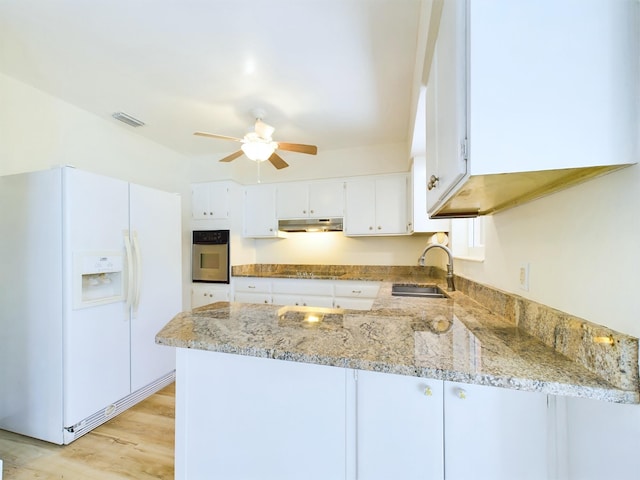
column 335, row 73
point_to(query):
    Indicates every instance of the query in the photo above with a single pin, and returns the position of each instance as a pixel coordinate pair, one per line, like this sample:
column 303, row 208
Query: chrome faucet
column 450, row 286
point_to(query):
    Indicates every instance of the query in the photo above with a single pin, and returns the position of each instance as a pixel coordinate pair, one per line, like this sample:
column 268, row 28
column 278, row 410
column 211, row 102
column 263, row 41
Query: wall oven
column 210, row 256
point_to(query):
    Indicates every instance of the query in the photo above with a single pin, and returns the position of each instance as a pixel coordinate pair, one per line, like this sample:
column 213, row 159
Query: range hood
column 311, row 225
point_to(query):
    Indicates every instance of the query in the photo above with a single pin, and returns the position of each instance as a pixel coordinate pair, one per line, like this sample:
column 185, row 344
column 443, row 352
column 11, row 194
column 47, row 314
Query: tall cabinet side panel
column 156, row 227
column 31, row 304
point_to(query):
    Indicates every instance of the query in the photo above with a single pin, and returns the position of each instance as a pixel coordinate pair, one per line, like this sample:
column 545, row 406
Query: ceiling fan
column 259, row 146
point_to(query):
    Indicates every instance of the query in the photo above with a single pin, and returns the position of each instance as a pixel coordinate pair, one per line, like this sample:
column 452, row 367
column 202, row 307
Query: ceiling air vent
column 128, row 119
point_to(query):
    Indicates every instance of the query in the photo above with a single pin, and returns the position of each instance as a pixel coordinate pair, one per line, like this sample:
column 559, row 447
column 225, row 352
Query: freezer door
column 156, row 239
column 96, row 339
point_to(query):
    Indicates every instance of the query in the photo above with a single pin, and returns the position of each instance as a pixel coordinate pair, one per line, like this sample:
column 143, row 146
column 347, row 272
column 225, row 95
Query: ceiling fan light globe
column 259, row 151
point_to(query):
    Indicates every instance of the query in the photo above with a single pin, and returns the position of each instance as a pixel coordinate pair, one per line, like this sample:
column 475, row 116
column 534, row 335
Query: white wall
column 370, row 160
column 38, row 131
column 583, row 246
column 336, row 249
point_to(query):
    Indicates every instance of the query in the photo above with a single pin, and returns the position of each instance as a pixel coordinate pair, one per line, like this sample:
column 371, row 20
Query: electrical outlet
column 524, row 276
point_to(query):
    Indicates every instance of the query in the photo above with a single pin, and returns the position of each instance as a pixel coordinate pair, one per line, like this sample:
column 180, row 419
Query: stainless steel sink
column 403, row 290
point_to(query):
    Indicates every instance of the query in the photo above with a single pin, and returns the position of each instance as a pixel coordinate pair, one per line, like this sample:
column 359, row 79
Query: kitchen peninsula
column 309, row 384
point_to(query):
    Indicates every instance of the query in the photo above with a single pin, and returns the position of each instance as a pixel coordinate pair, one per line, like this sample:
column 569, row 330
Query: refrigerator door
column 96, row 339
column 156, row 239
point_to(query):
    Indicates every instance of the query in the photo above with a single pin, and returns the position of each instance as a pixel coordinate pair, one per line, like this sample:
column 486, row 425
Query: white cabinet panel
column 302, row 300
column 399, row 427
column 522, row 102
column 260, row 211
column 310, row 200
column 204, row 294
column 210, row 201
column 377, row 206
column 240, row 418
column 357, row 289
column 494, row 433
column 326, row 199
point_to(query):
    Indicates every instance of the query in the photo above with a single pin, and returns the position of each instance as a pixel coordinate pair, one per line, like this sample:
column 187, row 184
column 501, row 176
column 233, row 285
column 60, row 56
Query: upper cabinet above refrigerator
column 527, row 98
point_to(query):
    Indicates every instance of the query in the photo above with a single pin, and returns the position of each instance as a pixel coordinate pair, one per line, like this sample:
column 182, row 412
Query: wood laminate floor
column 137, row 444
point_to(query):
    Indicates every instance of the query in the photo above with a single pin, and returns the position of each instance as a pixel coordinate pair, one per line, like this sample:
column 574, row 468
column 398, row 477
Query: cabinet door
column 399, row 427
column 260, row 211
column 293, row 200
column 200, row 201
column 326, row 199
column 494, row 433
column 202, row 294
column 243, row 417
column 360, row 207
column 448, row 89
column 210, row 201
column 391, row 205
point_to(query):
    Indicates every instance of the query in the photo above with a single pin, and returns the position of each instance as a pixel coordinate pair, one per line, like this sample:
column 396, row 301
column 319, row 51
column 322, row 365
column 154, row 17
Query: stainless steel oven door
column 210, row 263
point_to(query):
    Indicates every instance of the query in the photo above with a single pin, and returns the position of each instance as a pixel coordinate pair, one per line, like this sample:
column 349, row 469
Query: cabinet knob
column 271, row 229
column 211, row 213
column 204, row 213
column 304, row 211
column 427, row 391
column 379, row 227
column 370, row 228
column 311, row 211
column 433, row 182
column 461, row 393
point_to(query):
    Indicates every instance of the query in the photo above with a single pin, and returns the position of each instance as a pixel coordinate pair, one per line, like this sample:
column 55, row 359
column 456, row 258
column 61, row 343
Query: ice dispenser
column 98, row 279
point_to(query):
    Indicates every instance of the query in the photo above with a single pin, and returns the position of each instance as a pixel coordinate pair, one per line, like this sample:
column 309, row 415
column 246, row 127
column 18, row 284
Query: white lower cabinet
column 399, row 427
column 252, row 290
column 205, row 293
column 355, row 295
column 495, row 433
column 310, row 293
column 240, row 417
column 247, row 418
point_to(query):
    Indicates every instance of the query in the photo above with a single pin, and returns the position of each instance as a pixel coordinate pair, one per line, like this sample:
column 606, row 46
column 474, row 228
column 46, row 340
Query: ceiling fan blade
column 298, row 147
column 277, row 161
column 232, row 157
column 213, row 135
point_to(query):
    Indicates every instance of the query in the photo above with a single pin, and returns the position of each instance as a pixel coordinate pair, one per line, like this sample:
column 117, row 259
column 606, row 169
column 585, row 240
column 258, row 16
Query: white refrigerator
column 90, row 271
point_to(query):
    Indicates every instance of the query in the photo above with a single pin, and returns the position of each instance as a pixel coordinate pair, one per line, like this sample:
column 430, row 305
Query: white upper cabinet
column 377, row 206
column 544, row 91
column 260, row 211
column 310, row 200
column 210, row 201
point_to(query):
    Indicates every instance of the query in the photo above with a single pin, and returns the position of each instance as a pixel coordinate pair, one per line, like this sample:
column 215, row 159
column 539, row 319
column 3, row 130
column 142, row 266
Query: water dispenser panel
column 98, row 279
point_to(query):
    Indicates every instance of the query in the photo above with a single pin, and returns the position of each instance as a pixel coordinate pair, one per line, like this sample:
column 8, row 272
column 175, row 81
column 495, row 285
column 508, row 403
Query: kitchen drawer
column 303, row 287
column 252, row 285
column 250, row 297
column 353, row 303
column 357, row 289
column 303, row 300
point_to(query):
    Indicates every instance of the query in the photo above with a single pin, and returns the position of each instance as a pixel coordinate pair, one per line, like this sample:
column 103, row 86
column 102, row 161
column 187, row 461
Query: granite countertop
column 455, row 338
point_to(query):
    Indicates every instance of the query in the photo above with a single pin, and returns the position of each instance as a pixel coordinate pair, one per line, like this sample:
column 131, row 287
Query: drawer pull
column 358, row 292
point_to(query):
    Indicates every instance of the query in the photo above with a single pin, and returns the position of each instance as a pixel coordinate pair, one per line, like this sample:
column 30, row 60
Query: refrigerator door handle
column 130, row 269
column 138, row 268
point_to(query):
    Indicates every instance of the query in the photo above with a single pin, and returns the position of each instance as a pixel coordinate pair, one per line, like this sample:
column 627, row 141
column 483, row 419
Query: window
column 467, row 240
